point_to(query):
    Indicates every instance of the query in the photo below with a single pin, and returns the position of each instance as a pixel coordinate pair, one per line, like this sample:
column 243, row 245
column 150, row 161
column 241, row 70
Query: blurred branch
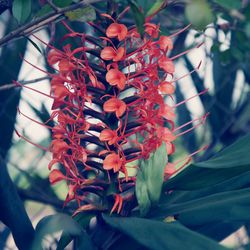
column 37, row 23
column 29, row 194
column 14, row 85
column 39, row 190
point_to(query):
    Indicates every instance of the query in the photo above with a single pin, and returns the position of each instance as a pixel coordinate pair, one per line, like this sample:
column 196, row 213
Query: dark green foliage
column 161, row 236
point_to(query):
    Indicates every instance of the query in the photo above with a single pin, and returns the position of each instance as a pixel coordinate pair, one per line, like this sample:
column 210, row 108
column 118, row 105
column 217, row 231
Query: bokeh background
column 223, row 28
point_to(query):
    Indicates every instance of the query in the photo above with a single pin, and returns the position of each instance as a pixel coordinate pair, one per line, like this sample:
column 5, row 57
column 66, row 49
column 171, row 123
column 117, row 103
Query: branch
column 42, row 21
column 35, row 196
column 14, row 85
column 53, row 6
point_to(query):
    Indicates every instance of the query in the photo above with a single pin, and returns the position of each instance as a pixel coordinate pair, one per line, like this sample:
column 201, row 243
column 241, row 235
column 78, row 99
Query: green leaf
column 157, row 235
column 62, row 3
column 211, row 208
column 157, row 5
column 84, row 14
column 21, row 10
column 198, row 178
column 199, row 13
column 229, row 4
column 83, row 220
column 138, row 16
column 52, row 224
column 125, row 243
column 44, row 10
column 228, row 208
column 84, row 242
column 235, row 183
column 230, row 162
column 150, row 179
column 234, row 155
column 142, row 195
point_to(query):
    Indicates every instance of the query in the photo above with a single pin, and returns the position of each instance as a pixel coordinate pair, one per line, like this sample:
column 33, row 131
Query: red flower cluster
column 109, row 108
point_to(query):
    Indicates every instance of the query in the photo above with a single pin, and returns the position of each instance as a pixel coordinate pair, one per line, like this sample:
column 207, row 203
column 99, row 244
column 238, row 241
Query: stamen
column 200, row 119
column 185, row 52
column 35, row 90
column 29, row 141
column 190, row 98
column 40, row 123
column 189, row 73
column 180, row 31
column 187, row 159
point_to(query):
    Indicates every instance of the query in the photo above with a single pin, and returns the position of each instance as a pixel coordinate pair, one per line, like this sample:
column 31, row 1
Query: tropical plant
column 140, row 170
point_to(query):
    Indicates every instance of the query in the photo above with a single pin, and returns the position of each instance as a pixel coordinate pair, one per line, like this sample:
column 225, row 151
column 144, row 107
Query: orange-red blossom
column 115, row 105
column 116, row 78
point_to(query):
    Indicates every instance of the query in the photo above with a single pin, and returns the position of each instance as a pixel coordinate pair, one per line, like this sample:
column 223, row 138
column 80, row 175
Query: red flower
column 152, row 29
column 115, row 105
column 109, row 53
column 66, row 66
column 56, row 176
column 59, row 147
column 116, row 78
column 165, row 43
column 165, row 134
column 166, row 88
column 109, row 135
column 112, row 161
column 117, row 30
column 166, row 64
column 54, row 57
column 167, row 112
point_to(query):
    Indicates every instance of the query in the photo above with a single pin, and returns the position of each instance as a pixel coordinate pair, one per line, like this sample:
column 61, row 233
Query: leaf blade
column 150, row 179
column 138, row 16
column 21, row 10
column 152, row 234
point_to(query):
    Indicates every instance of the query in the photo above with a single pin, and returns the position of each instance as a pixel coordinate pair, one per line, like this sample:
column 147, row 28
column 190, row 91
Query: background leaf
column 83, row 220
column 62, row 3
column 198, row 12
column 84, row 14
column 52, row 224
column 156, row 6
column 229, row 4
column 21, row 9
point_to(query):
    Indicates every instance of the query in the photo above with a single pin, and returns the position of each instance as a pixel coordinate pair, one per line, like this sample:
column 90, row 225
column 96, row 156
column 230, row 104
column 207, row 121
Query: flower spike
column 109, row 110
